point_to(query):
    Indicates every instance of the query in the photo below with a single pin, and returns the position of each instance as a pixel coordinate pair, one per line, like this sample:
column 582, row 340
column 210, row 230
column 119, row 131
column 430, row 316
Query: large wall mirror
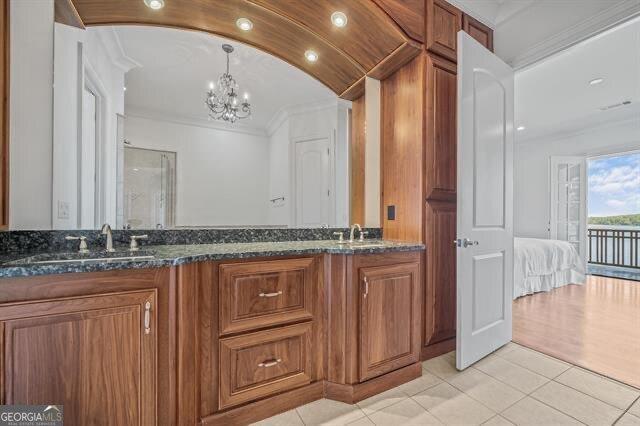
column 134, row 143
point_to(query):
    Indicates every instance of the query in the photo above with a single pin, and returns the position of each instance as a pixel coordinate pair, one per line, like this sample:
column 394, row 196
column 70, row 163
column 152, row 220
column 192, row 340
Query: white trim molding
column 292, row 110
column 111, row 42
column 616, row 14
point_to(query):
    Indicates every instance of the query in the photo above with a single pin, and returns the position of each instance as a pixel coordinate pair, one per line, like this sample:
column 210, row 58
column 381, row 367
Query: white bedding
column 542, row 265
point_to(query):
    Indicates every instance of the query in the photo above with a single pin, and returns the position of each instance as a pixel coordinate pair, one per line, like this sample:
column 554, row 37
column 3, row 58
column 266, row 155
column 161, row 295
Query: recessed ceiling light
column 596, row 81
column 311, row 56
column 339, row 19
column 154, row 4
column 520, row 128
column 244, row 24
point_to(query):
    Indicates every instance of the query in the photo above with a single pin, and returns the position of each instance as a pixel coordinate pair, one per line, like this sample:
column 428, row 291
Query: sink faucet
column 106, row 230
column 353, row 230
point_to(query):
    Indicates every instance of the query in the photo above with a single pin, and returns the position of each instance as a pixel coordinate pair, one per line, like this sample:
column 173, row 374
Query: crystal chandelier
column 222, row 98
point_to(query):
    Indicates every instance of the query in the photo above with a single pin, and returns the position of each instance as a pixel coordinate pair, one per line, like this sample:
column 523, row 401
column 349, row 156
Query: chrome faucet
column 352, row 231
column 106, row 230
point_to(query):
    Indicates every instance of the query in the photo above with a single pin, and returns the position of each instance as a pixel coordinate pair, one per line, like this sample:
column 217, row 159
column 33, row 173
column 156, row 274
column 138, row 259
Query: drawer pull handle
column 276, row 294
column 147, row 318
column 270, row 363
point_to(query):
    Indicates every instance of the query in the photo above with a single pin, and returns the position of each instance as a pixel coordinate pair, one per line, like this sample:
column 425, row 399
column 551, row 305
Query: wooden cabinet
column 443, row 21
column 260, row 364
column 373, row 318
column 261, row 294
column 388, row 331
column 478, row 30
column 95, row 355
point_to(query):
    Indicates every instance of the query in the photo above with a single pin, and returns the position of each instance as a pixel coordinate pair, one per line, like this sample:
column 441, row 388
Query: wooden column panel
column 402, row 134
column 440, row 290
column 478, row 30
column 442, row 25
column 440, row 140
column 357, row 159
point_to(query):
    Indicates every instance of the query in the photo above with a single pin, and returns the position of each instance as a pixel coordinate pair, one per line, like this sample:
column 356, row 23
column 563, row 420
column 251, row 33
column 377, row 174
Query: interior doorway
column 314, row 195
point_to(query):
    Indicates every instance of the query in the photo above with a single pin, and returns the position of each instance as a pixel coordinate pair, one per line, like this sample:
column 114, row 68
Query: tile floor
column 515, row 385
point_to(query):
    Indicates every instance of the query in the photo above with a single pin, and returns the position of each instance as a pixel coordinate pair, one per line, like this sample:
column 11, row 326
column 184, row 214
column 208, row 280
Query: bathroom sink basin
column 53, row 258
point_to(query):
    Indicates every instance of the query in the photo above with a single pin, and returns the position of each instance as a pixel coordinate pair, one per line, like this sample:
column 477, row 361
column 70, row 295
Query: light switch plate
column 63, row 209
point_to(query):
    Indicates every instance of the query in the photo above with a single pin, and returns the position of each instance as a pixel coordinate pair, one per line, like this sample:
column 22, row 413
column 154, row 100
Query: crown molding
column 485, row 19
column 111, row 42
column 150, row 114
column 629, row 119
column 617, row 14
column 293, row 110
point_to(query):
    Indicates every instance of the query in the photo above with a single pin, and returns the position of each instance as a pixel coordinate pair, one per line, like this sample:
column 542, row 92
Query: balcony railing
column 614, row 247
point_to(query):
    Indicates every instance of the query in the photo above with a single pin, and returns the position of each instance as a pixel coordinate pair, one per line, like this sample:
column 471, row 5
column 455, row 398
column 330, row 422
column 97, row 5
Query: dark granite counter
column 22, row 265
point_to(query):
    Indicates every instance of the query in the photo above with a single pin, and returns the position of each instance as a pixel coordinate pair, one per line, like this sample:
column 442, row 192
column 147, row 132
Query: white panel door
column 568, row 204
column 485, row 202
column 313, row 182
column 87, row 204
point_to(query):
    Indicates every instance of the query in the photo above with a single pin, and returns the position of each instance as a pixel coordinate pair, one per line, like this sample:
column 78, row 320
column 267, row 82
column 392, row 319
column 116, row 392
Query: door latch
column 464, row 243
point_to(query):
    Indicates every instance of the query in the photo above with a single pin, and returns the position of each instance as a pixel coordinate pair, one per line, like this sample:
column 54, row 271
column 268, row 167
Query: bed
column 542, row 265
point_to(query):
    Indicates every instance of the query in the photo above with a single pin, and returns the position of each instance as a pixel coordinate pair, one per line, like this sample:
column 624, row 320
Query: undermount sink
column 52, row 258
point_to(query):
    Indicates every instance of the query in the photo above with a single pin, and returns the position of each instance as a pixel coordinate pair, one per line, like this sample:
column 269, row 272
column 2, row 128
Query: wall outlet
column 63, row 210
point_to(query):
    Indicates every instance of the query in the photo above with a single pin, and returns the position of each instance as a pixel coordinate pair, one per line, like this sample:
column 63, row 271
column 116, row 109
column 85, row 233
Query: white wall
column 279, row 176
column 31, row 113
column 78, row 52
column 531, row 168
column 222, row 177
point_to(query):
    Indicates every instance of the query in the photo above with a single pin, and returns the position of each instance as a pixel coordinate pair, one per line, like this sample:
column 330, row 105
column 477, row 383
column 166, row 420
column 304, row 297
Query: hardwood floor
column 595, row 326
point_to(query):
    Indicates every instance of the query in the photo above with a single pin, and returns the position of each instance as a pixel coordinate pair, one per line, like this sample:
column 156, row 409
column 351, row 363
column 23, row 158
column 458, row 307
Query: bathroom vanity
column 211, row 333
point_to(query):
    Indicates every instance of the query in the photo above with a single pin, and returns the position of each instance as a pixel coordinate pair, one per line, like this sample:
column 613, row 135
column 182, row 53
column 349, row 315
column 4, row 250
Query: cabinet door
column 478, row 30
column 440, row 138
column 443, row 23
column 389, row 318
column 440, row 291
column 94, row 355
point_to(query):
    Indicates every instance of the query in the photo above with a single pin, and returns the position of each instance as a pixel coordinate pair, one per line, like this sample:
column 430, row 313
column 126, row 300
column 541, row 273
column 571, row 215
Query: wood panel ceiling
column 371, row 42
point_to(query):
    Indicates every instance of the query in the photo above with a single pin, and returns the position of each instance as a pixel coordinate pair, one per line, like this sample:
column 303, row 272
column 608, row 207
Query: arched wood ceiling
column 372, row 43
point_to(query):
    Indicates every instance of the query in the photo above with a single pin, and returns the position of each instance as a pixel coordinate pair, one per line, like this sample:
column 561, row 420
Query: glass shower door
column 149, row 188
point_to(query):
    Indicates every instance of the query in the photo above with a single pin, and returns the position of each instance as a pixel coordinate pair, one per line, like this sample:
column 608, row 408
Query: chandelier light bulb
column 211, row 86
column 246, row 96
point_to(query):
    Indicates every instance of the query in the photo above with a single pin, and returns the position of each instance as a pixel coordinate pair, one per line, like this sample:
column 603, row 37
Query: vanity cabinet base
column 268, row 407
column 360, row 391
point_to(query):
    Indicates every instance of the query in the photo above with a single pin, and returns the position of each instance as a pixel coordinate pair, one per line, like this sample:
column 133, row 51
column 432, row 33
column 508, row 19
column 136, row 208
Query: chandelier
column 222, row 98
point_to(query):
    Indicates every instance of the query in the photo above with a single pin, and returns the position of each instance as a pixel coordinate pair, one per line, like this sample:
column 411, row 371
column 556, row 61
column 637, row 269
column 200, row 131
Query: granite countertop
column 17, row 265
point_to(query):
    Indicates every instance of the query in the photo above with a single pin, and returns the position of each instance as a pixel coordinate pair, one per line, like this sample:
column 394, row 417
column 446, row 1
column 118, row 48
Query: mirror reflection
column 165, row 128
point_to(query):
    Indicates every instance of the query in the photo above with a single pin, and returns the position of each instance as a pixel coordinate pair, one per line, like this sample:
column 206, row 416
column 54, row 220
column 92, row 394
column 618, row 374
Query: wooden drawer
column 260, row 294
column 260, row 364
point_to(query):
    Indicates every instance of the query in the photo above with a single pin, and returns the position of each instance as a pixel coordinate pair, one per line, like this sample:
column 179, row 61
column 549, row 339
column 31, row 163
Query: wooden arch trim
column 371, row 44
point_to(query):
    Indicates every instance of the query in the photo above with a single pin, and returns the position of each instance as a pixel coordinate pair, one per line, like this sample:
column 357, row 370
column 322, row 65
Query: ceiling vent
column 608, row 107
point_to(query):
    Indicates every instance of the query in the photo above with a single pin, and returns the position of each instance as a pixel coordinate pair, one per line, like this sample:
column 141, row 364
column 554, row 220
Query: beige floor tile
column 507, row 348
column 635, row 408
column 381, row 400
column 515, row 376
column 602, row 388
column 443, row 366
column 407, row 412
column 288, row 418
column 453, row 407
column 363, row 421
column 327, row 412
column 528, row 411
column 628, row 420
column 497, row 421
column 484, row 388
column 576, row 404
column 423, row 382
column 537, row 362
